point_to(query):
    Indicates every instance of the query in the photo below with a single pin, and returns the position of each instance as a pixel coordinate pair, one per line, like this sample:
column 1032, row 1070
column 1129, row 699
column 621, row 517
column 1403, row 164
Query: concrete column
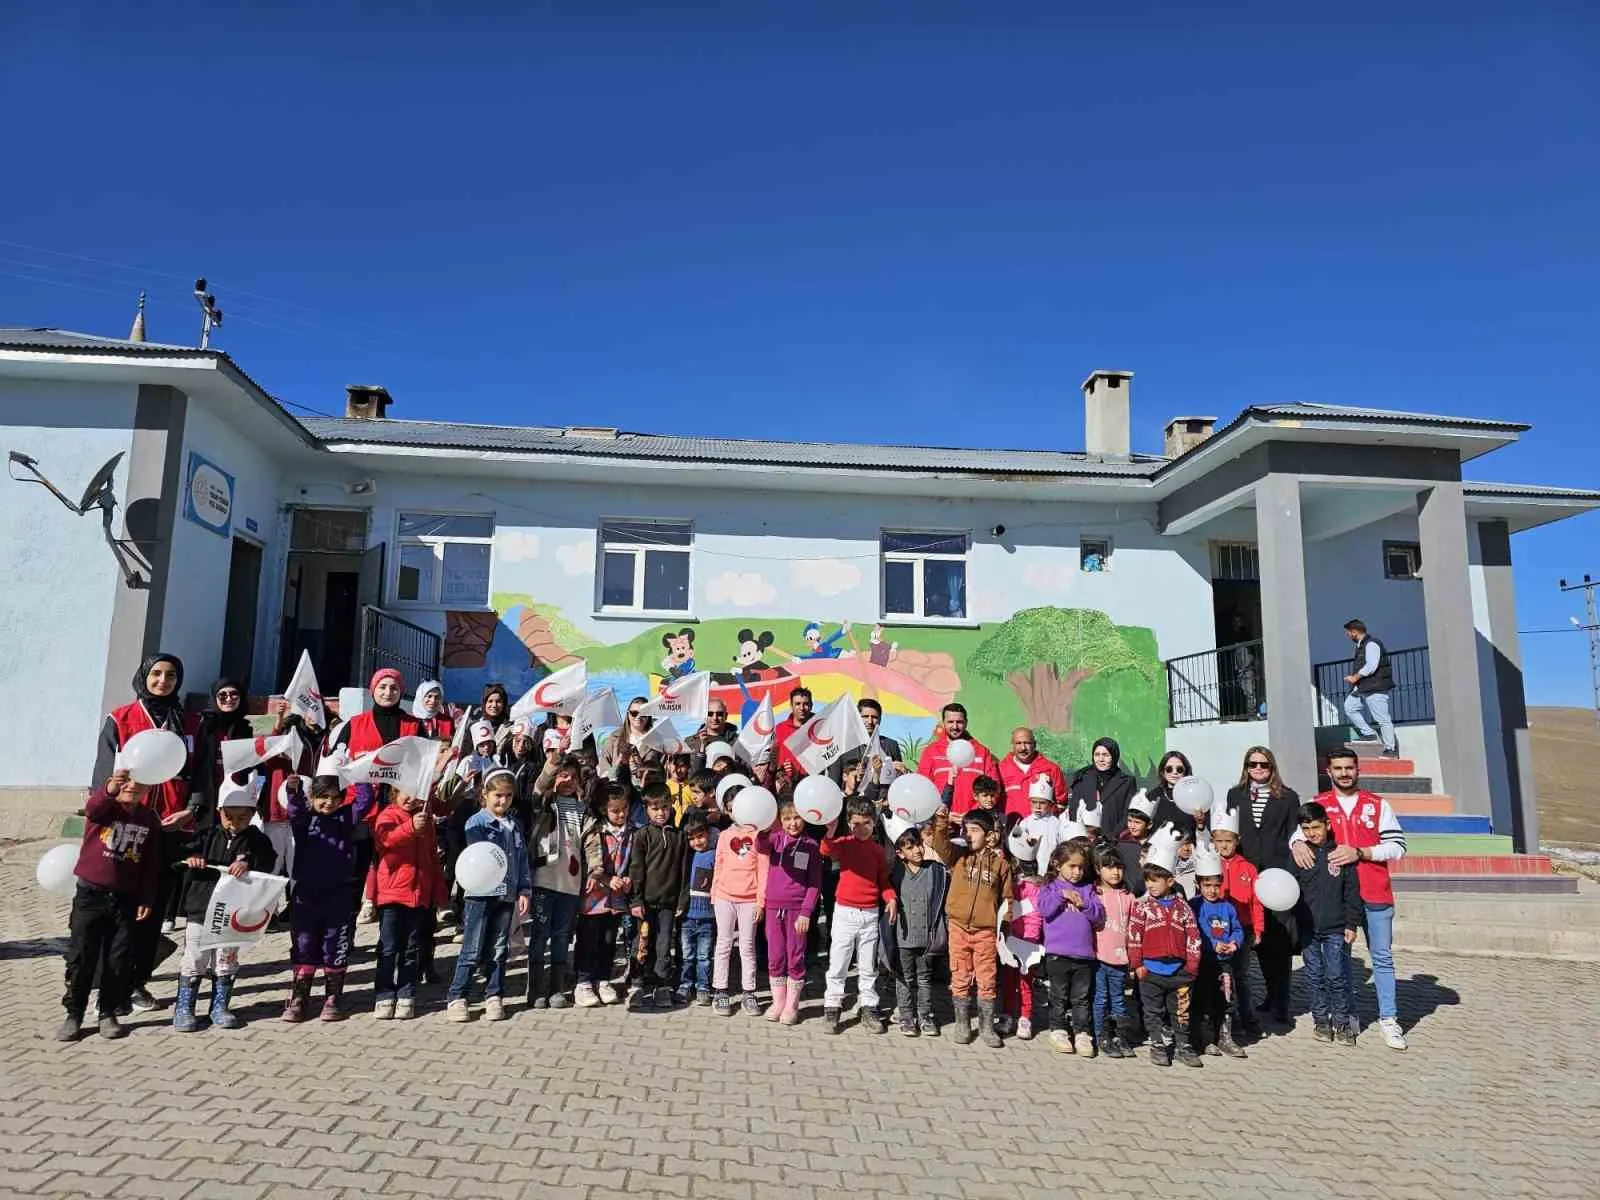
column 150, row 508
column 1291, row 700
column 1453, row 647
column 1494, row 546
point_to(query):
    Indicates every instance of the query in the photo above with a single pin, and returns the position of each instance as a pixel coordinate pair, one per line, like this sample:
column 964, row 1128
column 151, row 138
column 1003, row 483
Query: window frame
column 639, row 552
column 918, row 577
column 1399, row 546
column 435, row 602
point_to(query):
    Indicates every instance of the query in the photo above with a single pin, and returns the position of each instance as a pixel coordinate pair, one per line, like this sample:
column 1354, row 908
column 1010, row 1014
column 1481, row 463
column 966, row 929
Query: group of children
column 1045, row 925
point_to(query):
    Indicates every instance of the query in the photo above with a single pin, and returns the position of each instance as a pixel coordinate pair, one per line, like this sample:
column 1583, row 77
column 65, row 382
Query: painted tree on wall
column 1045, row 654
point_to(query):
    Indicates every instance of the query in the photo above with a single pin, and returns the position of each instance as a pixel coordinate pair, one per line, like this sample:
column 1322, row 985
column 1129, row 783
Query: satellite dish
column 98, row 494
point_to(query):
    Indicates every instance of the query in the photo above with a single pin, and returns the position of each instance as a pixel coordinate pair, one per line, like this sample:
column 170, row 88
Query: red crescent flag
column 828, row 736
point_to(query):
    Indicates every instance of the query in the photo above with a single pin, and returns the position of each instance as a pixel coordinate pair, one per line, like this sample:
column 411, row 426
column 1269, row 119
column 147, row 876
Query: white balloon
column 914, row 798
column 755, row 806
column 716, row 752
column 818, row 799
column 1193, row 794
column 727, row 784
column 959, row 753
column 56, row 870
column 481, row 869
column 154, row 756
column 1277, row 889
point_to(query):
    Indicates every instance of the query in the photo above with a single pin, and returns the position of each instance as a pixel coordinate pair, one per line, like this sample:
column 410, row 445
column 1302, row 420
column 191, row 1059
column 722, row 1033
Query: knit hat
column 1142, row 805
column 1163, row 849
column 1207, row 864
column 1224, row 819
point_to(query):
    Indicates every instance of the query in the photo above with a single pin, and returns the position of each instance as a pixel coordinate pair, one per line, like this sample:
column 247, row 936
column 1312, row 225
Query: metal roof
column 590, row 442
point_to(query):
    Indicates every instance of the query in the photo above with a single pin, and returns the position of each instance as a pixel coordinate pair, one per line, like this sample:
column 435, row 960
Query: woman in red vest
column 157, row 704
column 363, row 733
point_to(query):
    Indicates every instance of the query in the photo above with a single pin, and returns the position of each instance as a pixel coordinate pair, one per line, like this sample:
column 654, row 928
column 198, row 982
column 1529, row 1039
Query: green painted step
column 1418, row 844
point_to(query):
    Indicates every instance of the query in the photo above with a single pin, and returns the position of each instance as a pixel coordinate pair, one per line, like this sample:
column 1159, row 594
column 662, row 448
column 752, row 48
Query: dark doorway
column 239, row 621
column 340, row 611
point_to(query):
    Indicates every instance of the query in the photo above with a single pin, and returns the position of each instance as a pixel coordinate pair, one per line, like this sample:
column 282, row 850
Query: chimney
column 1105, row 414
column 1183, row 434
column 364, row 402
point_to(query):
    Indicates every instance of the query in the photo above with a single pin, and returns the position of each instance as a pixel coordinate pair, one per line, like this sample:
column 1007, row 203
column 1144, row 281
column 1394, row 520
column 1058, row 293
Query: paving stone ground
column 1499, row 1095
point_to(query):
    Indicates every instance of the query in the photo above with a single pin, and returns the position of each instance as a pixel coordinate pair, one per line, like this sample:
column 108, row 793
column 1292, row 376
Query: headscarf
column 219, row 724
column 386, row 717
column 418, row 709
column 1116, row 758
column 162, row 709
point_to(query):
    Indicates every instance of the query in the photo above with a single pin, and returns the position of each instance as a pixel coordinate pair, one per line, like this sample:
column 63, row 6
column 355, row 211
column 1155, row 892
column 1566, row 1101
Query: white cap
column 1041, row 789
column 481, row 731
column 1163, row 849
column 235, row 795
column 1224, row 819
column 1206, row 863
column 1142, row 805
column 1090, row 815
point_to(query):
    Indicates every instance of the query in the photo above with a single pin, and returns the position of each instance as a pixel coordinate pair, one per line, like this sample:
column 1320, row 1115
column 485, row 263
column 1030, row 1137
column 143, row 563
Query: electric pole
column 1591, row 625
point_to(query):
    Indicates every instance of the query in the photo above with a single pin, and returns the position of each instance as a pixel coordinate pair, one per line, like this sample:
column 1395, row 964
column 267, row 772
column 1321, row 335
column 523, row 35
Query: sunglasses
column 1259, row 764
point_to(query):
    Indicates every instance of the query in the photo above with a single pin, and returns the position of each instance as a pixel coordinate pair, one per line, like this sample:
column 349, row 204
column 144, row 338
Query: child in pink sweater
column 737, row 885
column 1111, row 952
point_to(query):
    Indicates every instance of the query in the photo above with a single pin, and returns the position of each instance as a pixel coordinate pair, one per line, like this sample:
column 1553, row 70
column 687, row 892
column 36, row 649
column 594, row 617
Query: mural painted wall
column 1070, row 674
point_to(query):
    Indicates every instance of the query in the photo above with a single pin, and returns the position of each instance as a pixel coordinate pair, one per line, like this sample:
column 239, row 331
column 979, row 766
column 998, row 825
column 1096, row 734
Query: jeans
column 914, row 987
column 1071, row 986
column 102, row 932
column 1378, row 705
column 552, row 916
column 485, row 933
column 1327, row 966
column 735, row 919
column 1110, row 986
column 697, row 936
column 399, row 951
column 853, row 936
column 1379, row 929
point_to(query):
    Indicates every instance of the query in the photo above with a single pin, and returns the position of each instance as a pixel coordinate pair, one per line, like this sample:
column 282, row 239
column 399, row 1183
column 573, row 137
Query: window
column 1402, row 560
column 924, row 575
column 443, row 560
column 644, row 566
column 1094, row 555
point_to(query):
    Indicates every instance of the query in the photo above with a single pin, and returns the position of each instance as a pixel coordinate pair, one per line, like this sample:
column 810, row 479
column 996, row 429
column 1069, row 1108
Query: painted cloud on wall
column 745, row 589
column 825, row 576
column 576, row 558
column 516, row 545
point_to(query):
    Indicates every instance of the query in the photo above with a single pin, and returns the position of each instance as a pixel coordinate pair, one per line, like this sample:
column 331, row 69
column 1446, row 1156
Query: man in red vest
column 1368, row 836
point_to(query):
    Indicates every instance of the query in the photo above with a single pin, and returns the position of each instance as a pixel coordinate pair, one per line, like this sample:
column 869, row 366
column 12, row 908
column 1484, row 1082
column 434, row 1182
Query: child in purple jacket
column 1071, row 909
column 793, row 880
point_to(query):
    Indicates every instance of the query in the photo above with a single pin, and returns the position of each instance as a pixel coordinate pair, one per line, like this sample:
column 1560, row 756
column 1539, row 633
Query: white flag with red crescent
column 240, row 754
column 834, row 731
column 688, row 697
column 239, row 909
column 754, row 746
column 558, row 692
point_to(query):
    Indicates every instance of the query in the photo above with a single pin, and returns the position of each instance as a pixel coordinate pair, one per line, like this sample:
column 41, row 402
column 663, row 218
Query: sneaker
column 722, row 1005
column 1392, row 1035
column 111, row 1029
column 664, row 997
column 684, row 994
column 69, row 1030
column 751, row 1006
column 584, row 996
column 404, row 1009
column 1345, row 1036
column 383, row 1010
column 494, row 1008
column 457, row 1012
column 1025, row 1029
column 143, row 1001
column 1323, row 1032
column 608, row 994
column 1061, row 1040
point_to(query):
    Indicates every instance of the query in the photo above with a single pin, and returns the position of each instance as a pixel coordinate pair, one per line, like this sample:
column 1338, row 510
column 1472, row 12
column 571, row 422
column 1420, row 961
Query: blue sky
column 804, row 221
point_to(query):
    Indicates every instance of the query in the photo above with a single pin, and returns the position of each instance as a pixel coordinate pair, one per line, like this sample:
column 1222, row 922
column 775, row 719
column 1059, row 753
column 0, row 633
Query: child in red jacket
column 1164, row 955
column 1239, row 885
column 410, row 883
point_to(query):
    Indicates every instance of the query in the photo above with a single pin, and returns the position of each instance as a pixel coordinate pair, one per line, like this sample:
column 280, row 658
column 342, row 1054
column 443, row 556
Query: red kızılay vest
column 172, row 796
column 1360, row 830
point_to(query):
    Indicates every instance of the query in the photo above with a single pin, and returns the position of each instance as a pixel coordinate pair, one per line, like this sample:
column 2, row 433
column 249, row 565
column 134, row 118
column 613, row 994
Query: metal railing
column 1410, row 703
column 389, row 641
column 1225, row 684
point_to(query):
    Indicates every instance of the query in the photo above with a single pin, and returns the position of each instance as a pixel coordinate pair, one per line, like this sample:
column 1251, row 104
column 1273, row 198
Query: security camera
column 998, row 531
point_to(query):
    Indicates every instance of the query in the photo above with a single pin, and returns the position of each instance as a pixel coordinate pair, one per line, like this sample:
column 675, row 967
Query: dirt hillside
column 1566, row 772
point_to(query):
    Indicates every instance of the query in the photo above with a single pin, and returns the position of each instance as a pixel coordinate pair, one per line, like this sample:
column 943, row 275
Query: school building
column 1192, row 600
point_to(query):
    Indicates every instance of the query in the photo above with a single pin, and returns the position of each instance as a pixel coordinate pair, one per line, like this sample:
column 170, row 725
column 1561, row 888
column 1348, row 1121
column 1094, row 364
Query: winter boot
column 297, row 1007
column 221, row 994
column 963, row 1021
column 1184, row 1054
column 1110, row 1044
column 986, row 1030
column 333, row 1002
column 1227, row 1044
column 183, row 1018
